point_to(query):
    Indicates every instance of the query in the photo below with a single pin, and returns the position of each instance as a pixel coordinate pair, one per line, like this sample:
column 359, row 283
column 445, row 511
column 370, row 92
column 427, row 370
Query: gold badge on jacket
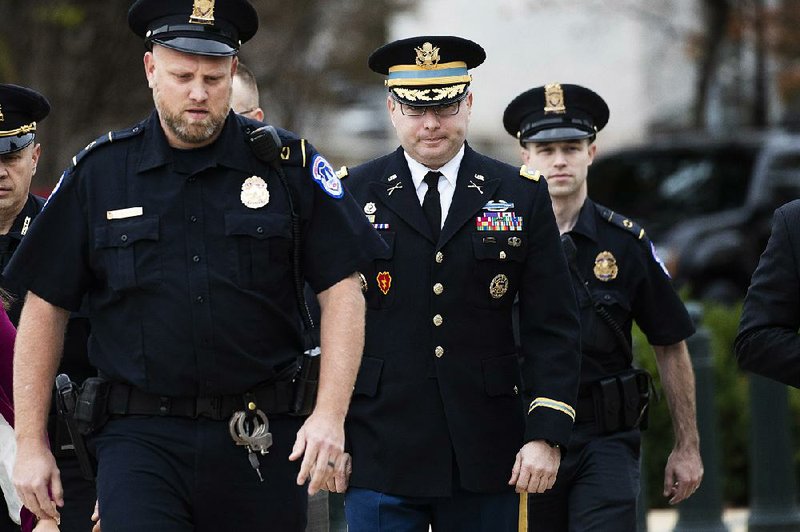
column 605, row 266
column 498, row 286
column 254, row 192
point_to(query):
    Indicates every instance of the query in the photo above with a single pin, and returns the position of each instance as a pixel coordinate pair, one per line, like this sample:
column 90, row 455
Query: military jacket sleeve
column 768, row 343
column 549, row 328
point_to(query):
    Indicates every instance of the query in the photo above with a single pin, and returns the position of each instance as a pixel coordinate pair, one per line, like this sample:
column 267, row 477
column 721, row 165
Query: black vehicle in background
column 706, row 202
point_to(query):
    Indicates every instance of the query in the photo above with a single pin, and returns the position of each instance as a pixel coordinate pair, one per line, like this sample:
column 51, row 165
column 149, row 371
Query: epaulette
column 620, row 221
column 293, row 152
column 342, row 172
column 111, row 136
column 524, row 172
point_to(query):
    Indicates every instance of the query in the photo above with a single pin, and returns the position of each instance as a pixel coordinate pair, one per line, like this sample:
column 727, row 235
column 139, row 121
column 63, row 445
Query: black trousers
column 79, row 497
column 169, row 474
column 596, row 487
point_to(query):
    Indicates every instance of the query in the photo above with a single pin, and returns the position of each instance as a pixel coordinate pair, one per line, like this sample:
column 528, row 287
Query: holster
column 69, row 438
column 91, row 411
column 622, row 401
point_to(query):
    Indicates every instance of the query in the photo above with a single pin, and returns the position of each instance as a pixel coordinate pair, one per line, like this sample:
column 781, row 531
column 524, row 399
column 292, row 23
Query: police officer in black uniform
column 442, row 429
column 182, row 237
column 21, row 109
column 618, row 278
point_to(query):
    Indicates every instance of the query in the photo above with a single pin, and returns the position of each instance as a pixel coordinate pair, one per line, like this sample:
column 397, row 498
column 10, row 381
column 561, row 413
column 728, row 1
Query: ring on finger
column 331, row 463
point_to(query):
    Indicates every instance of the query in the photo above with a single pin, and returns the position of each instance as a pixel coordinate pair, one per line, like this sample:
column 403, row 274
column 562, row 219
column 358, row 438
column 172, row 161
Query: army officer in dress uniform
column 183, row 238
column 442, row 429
column 618, row 278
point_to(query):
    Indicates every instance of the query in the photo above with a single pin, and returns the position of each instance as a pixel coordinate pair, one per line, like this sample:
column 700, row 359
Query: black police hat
column 20, row 109
column 555, row 112
column 427, row 70
column 203, row 27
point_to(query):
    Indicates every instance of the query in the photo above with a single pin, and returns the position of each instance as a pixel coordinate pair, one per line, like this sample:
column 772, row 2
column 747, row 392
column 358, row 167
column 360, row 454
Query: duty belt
column 125, row 400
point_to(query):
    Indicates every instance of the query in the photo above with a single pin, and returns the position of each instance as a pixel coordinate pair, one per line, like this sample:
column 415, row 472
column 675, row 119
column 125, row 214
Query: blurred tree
column 309, row 56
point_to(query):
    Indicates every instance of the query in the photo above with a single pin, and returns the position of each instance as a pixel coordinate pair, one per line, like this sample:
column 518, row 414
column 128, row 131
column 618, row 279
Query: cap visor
column 12, row 144
column 558, row 133
column 192, row 45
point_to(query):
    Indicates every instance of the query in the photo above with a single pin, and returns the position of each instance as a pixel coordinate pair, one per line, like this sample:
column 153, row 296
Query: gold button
column 437, row 320
column 502, row 254
column 251, row 405
column 438, row 288
column 439, row 351
column 439, row 257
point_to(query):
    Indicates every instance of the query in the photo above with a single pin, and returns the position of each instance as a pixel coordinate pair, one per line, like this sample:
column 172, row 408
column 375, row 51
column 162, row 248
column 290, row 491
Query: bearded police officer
column 183, row 239
column 442, row 429
column 618, row 278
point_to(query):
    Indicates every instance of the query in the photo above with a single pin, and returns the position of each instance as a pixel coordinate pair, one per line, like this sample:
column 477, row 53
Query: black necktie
column 431, row 205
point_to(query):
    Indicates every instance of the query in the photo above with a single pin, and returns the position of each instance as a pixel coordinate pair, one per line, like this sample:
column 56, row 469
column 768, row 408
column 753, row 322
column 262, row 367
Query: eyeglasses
column 448, row 109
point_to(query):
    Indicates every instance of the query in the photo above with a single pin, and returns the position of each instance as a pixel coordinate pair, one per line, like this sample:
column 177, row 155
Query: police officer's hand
column 683, row 473
column 535, row 468
column 341, row 476
column 320, row 441
column 37, row 479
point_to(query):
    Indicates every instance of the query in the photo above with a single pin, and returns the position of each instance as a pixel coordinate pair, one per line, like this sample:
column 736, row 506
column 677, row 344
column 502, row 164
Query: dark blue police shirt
column 9, row 243
column 639, row 291
column 194, row 294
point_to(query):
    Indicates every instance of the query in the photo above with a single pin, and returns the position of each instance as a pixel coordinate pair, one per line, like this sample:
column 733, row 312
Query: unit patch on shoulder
column 658, row 260
column 323, row 174
column 527, row 174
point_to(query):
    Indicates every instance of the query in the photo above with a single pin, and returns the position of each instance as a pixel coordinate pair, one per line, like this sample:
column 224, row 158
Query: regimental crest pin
column 202, row 12
column 370, row 208
column 605, row 266
column 254, row 192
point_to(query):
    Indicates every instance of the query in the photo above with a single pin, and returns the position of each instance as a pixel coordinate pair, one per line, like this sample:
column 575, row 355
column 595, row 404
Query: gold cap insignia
column 605, row 266
column 499, row 286
column 254, row 192
column 554, row 99
column 427, row 55
column 202, row 12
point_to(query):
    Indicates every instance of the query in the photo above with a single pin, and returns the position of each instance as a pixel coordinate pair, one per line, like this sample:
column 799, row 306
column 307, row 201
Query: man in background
column 245, row 98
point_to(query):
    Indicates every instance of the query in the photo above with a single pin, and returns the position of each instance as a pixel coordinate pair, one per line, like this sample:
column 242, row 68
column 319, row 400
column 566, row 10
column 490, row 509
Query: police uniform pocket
column 369, row 375
column 601, row 336
column 260, row 248
column 501, row 376
column 130, row 252
column 499, row 256
column 381, row 280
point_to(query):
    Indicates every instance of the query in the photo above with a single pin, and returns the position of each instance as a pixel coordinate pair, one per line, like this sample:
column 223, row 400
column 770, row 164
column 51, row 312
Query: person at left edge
column 181, row 238
column 443, row 428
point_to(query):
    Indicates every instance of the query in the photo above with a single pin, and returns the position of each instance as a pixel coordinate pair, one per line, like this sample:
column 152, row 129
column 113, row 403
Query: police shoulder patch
column 621, row 221
column 324, row 175
column 111, row 136
column 527, row 174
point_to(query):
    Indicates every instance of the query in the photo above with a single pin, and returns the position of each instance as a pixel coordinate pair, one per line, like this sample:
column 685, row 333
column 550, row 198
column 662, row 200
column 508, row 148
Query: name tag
column 118, row 214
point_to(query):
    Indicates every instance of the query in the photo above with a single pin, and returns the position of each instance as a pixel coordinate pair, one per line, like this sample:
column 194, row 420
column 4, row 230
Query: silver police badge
column 254, row 192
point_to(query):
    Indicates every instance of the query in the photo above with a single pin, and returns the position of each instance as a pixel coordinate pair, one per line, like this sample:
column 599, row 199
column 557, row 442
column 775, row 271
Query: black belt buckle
column 209, row 406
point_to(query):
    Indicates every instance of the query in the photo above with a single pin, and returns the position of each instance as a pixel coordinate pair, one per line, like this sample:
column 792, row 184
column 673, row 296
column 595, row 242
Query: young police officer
column 183, row 240
column 441, row 424
column 618, row 278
